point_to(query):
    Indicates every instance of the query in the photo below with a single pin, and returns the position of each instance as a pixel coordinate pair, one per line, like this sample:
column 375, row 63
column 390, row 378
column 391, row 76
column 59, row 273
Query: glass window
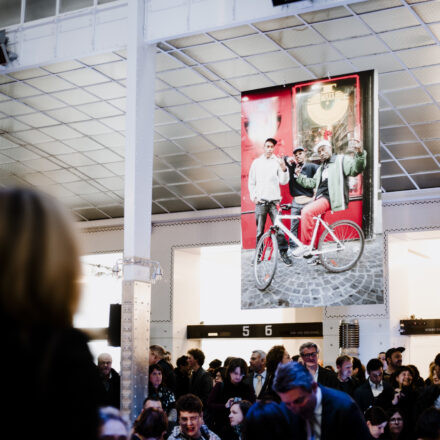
column 10, row 13
column 36, row 9
column 101, row 2
column 73, row 5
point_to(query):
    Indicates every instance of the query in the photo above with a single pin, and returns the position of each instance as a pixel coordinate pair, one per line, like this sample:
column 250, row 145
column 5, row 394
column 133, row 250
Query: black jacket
column 200, row 384
column 111, row 390
column 327, row 378
column 364, row 396
column 309, row 169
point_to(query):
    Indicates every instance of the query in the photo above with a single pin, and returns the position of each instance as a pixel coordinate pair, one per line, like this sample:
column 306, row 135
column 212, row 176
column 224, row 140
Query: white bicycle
column 339, row 247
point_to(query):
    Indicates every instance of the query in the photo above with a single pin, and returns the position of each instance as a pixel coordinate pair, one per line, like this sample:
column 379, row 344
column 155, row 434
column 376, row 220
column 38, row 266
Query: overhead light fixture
column 155, row 269
column 284, row 2
column 5, row 55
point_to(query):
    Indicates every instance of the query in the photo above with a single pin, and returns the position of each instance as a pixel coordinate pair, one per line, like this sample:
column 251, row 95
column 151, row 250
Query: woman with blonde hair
column 48, row 365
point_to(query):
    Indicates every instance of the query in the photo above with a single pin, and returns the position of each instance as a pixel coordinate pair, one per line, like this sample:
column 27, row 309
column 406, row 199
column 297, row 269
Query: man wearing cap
column 301, row 196
column 266, row 174
column 331, row 187
column 394, row 361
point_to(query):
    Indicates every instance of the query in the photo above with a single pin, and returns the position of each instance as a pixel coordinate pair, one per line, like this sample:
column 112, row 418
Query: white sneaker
column 300, row 251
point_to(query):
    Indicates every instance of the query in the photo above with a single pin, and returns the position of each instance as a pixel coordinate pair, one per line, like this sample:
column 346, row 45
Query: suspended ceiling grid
column 62, row 126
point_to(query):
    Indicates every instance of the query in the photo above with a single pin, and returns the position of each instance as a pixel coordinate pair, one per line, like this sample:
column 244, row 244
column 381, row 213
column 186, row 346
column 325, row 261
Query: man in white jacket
column 266, row 175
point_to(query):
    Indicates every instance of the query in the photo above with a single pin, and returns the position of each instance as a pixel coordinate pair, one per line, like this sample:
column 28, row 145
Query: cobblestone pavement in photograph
column 305, row 285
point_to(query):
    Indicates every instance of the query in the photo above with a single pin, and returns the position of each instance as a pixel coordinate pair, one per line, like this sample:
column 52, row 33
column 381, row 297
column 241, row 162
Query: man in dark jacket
column 200, row 382
column 111, row 382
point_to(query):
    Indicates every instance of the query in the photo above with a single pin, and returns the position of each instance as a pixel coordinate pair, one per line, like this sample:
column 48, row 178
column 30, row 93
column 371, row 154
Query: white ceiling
column 62, row 126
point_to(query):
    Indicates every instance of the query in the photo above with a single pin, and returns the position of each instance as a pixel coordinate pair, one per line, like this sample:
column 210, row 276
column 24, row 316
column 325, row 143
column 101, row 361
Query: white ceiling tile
column 28, row 73
column 100, row 59
column 222, row 106
column 251, row 45
column 99, row 110
column 42, row 165
column 84, row 77
column 160, row 85
column 115, row 122
column 374, row 5
column 325, row 14
column 37, row 179
column 4, row 160
column 37, row 120
column 390, row 19
column 166, row 62
column 112, row 183
column 43, row 102
column 427, row 75
column 209, row 125
column 184, row 59
column 181, row 77
column 18, row 90
column 226, row 139
column 108, row 90
column 33, row 136
column 119, row 103
column 425, row 113
column 331, row 69
column 356, row 47
column 50, row 84
column 410, row 97
column 348, row 27
column 188, row 112
column 75, row 97
column 11, row 125
column 226, row 87
column 234, row 32
column 14, row 108
column 318, row 53
column 194, row 143
column 278, row 23
column 117, row 70
column 209, row 53
column 396, row 80
column 117, row 168
column 434, row 91
column 75, row 159
column 163, row 117
column 60, row 132
column 382, row 62
column 269, row 62
column 7, row 143
column 110, row 139
column 174, row 131
column 90, row 128
column 428, row 12
column 5, row 79
column 62, row 176
column 103, row 156
column 95, row 171
column 57, row 191
column 192, row 40
column 435, row 29
column 80, row 187
column 421, row 56
column 54, row 148
column 212, row 157
column 407, row 38
column 203, row 92
column 289, row 76
column 234, row 121
column 83, row 144
column 232, row 68
column 296, row 37
column 20, row 154
column 4, row 97
column 63, row 66
column 68, row 115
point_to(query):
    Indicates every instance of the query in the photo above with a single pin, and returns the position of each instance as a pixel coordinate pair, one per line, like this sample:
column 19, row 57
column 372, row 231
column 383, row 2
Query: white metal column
column 138, row 272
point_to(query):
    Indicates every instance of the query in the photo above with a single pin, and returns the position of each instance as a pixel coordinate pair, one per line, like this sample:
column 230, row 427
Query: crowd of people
column 278, row 396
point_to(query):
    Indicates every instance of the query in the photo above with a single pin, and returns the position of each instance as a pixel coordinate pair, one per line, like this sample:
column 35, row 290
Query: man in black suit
column 316, row 411
column 257, row 376
column 375, row 391
column 200, row 381
column 309, row 353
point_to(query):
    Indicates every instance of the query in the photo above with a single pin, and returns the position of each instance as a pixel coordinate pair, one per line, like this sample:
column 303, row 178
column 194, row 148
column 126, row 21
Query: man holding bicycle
column 331, row 187
column 266, row 174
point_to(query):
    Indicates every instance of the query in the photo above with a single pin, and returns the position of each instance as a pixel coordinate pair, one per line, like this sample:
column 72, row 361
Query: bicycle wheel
column 265, row 260
column 341, row 254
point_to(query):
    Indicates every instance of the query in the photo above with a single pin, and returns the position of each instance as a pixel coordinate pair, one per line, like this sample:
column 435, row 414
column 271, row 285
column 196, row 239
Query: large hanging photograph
column 311, row 218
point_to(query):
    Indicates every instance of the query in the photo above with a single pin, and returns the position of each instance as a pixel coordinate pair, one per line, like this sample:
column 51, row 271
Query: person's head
column 104, row 364
column 190, row 412
column 182, row 363
column 257, row 361
column 196, row 358
column 324, row 149
column 309, row 353
column 277, row 354
column 395, row 421
column 296, row 358
column 377, row 420
column 215, row 364
column 266, row 420
column 157, row 353
column 375, row 370
column 300, row 155
column 415, row 373
column 428, row 425
column 112, row 425
column 40, row 267
column 401, row 377
column 152, row 424
column 227, row 360
column 238, row 412
column 155, row 375
column 152, row 402
column 296, row 388
column 330, row 368
column 344, row 365
column 219, row 375
column 358, row 369
column 382, row 357
column 393, row 358
column 236, row 370
column 433, row 376
column 269, row 146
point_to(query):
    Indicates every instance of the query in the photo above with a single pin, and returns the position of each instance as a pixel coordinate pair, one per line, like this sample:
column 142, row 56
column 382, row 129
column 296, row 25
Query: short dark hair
column 396, row 373
column 236, row 362
column 182, row 361
column 375, row 415
column 153, row 367
column 244, row 406
column 437, row 360
column 274, row 357
column 151, row 399
column 292, row 375
column 152, row 423
column 373, row 365
column 308, row 345
column 198, row 355
column 189, row 403
column 274, row 142
column 215, row 363
column 340, row 360
column 391, row 351
column 428, row 424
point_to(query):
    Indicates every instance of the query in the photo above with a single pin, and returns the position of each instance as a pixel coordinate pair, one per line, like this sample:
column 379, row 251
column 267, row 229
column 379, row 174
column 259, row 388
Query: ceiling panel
column 410, row 149
column 394, row 18
column 232, row 68
column 209, row 53
column 234, row 32
column 355, row 47
column 421, row 56
column 428, row 12
column 419, row 165
column 407, row 38
column 396, row 80
column 431, row 180
column 348, row 27
column 400, row 183
column 279, row 23
column 296, row 37
column 251, row 45
column 373, row 5
column 319, row 53
column 410, row 97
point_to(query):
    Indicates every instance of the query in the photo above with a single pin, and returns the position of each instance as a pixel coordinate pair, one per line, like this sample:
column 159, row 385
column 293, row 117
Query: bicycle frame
column 318, row 221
